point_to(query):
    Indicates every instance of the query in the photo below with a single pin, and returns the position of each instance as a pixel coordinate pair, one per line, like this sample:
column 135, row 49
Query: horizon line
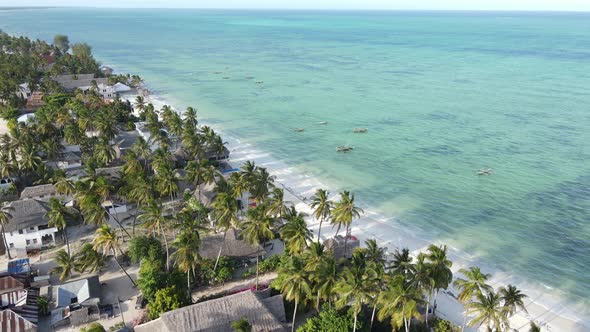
column 318, row 9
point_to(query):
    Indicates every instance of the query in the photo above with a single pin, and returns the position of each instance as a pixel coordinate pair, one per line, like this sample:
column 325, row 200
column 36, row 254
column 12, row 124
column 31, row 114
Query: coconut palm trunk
column 257, row 256
column 220, row 249
column 294, row 315
column 464, row 321
column 320, row 229
column 64, row 234
column 121, row 267
column 188, row 282
column 166, row 244
column 117, row 221
column 355, row 319
column 5, row 243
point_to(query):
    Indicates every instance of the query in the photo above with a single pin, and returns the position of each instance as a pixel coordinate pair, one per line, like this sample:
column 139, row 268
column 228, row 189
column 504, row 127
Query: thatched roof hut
column 265, row 314
column 234, row 246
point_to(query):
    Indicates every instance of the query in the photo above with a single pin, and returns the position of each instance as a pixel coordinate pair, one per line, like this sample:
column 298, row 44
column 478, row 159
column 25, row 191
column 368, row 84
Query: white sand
column 391, row 235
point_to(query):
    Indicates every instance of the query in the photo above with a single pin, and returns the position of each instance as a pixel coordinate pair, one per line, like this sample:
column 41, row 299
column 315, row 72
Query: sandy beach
column 299, row 187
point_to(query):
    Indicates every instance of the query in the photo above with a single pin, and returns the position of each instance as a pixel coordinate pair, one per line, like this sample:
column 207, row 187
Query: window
column 12, row 245
column 31, row 228
column 28, row 242
column 34, row 240
column 20, row 231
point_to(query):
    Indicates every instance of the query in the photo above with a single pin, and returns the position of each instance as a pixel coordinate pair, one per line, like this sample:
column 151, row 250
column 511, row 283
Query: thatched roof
column 218, row 315
column 26, row 213
column 38, row 191
column 337, row 245
column 234, row 246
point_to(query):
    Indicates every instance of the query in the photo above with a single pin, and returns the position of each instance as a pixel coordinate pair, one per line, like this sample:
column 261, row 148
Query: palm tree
column 399, row 302
column 324, row 277
column 277, row 206
column 106, row 240
column 225, row 214
column 140, row 104
column 66, row 264
column 239, row 186
column 167, row 181
column 88, row 259
column 343, row 213
column 353, row 285
column 142, row 149
column 261, row 184
column 402, row 262
column 186, row 256
column 58, row 216
column 422, row 279
column 5, row 217
column 322, row 207
column 488, row 309
column 295, row 234
column 513, row 298
column 473, row 285
column 534, row 328
column 440, row 267
column 294, row 284
column 315, row 257
column 257, row 229
column 154, row 221
column 104, row 152
column 190, row 116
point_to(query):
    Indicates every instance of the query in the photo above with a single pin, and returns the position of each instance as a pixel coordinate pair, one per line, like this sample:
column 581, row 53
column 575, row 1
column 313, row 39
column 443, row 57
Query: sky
column 556, row 5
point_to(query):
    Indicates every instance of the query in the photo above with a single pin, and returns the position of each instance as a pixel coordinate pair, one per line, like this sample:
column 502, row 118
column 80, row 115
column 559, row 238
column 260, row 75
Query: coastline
column 373, row 225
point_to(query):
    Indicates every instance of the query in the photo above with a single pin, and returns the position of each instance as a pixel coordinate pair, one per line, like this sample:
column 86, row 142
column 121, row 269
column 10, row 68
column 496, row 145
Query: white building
column 28, row 229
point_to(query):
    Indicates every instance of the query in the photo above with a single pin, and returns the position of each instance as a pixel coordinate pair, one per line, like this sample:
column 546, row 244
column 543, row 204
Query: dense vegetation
column 349, row 294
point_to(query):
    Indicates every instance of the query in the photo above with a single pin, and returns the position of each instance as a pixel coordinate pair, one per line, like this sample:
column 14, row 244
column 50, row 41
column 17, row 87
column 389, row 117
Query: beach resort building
column 264, row 312
column 233, row 246
column 28, row 228
column 340, row 247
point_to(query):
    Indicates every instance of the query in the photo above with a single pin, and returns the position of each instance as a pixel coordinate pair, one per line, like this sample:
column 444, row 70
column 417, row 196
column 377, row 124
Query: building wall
column 34, row 236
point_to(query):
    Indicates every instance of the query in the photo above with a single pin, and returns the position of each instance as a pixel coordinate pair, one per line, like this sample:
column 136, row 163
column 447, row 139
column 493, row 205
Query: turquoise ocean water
column 442, row 94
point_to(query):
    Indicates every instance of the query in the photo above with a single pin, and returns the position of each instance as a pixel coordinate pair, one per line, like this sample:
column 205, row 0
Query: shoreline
column 373, row 225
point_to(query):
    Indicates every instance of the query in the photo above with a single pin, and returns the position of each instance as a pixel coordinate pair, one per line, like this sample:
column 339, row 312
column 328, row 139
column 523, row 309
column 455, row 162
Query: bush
column 442, row 325
column 223, row 273
column 267, row 265
column 146, row 247
column 166, row 299
column 331, row 319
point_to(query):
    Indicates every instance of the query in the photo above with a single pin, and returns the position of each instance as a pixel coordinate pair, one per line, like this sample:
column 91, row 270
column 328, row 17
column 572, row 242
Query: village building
column 19, row 304
column 233, row 246
column 42, row 192
column 77, row 302
column 264, row 312
column 28, row 228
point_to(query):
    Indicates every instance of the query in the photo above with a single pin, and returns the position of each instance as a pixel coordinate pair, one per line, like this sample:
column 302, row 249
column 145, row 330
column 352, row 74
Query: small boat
column 324, row 123
column 360, row 130
column 299, row 129
column 259, row 82
column 217, row 72
column 344, row 148
column 225, row 77
column 485, row 171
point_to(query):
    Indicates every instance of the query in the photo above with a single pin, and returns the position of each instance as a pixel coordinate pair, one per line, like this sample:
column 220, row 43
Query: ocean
column 442, row 94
